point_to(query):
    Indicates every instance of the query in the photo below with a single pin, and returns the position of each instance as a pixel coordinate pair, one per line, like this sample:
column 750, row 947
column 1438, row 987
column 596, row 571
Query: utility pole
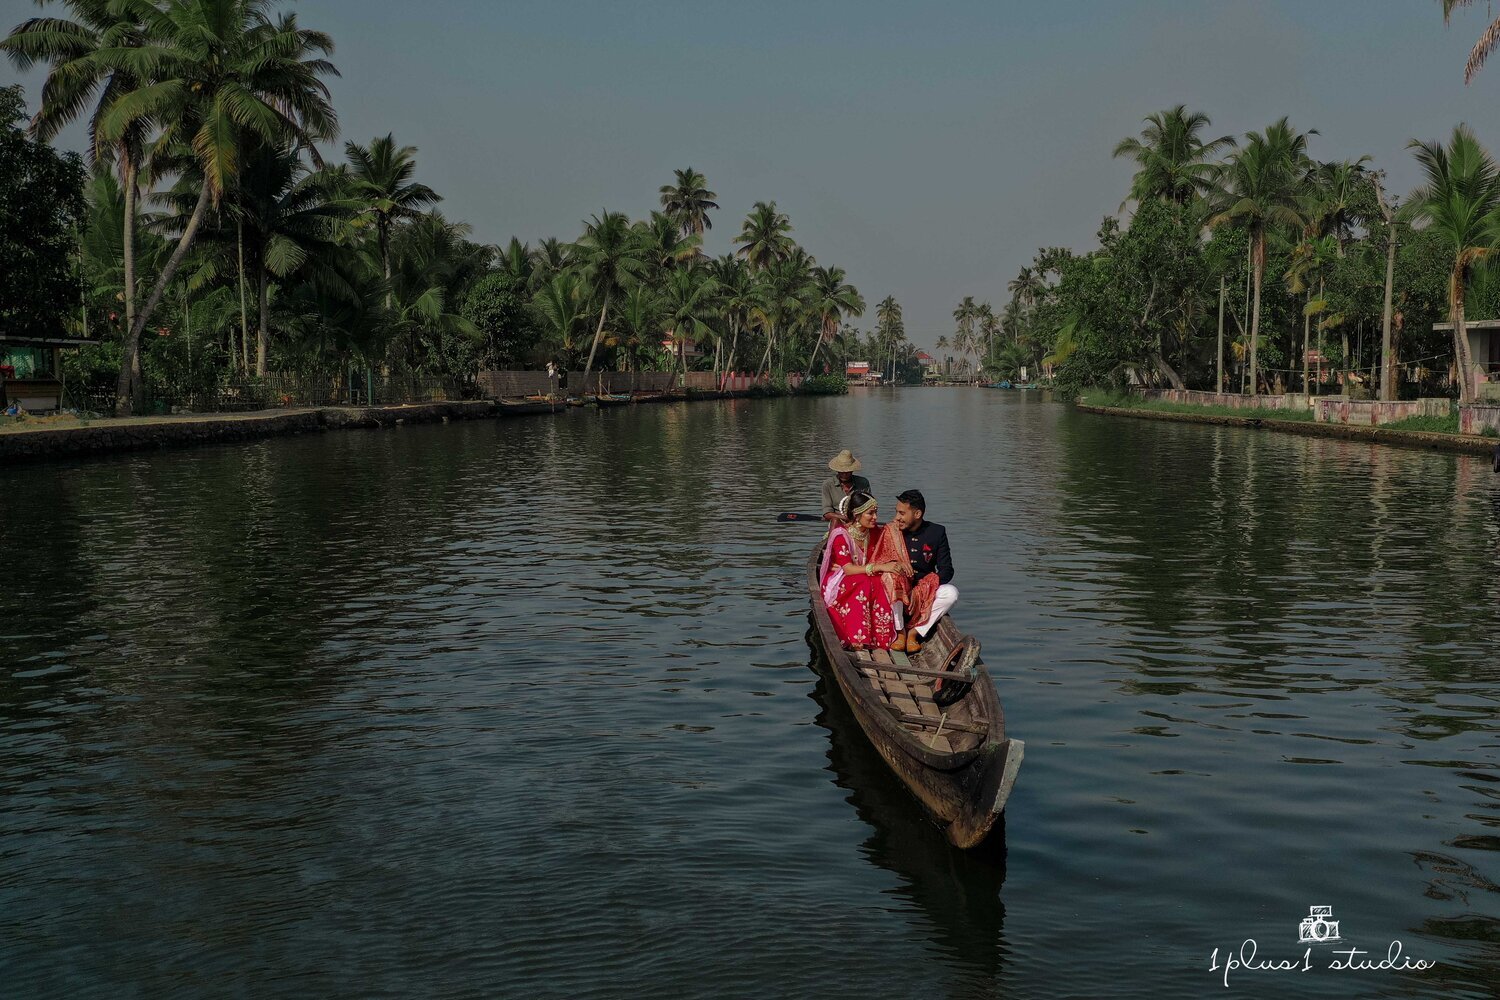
column 1219, row 382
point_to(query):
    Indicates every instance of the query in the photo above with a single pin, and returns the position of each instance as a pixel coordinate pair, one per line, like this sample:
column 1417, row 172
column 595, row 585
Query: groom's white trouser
column 945, row 598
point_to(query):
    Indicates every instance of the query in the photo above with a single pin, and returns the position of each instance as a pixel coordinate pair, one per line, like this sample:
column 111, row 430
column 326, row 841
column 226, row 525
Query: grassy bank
column 1100, row 397
column 1437, row 425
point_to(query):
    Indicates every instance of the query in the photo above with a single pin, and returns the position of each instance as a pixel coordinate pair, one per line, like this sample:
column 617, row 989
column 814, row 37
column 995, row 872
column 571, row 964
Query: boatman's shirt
column 833, row 491
column 928, row 548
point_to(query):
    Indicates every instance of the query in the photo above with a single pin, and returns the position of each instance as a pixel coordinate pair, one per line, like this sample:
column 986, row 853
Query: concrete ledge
column 1374, row 412
column 1350, row 432
column 1475, row 418
column 107, row 436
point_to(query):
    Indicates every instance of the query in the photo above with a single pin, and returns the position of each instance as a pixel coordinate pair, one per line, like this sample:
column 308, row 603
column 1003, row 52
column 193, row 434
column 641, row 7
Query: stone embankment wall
column 174, row 432
column 1373, row 413
column 516, row 384
column 1232, row 400
column 1478, row 418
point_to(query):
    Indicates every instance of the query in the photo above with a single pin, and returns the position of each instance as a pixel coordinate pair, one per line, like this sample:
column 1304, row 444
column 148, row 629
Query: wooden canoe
column 521, row 407
column 958, row 761
column 611, row 400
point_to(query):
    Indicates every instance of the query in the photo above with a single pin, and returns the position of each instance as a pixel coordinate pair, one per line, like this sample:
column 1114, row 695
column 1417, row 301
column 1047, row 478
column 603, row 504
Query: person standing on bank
column 843, row 484
column 932, row 591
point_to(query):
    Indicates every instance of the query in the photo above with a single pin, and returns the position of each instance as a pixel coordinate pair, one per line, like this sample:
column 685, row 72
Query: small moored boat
column 612, row 399
column 531, row 404
column 955, row 758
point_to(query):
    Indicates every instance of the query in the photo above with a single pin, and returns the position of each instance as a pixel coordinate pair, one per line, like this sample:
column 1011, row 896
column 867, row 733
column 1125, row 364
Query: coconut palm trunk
column 131, row 360
column 263, row 329
column 1457, row 286
column 594, row 347
column 1387, row 352
column 128, row 237
column 1306, row 337
column 814, row 359
column 244, row 352
column 1258, row 273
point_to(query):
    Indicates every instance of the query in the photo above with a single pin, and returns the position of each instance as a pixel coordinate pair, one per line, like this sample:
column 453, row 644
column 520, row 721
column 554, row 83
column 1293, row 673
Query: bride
column 859, row 592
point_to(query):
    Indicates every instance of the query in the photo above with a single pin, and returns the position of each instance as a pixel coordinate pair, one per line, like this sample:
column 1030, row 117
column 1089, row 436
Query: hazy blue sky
column 926, row 148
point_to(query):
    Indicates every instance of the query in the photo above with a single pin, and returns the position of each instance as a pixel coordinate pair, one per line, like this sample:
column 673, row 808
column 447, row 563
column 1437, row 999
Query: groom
column 932, row 590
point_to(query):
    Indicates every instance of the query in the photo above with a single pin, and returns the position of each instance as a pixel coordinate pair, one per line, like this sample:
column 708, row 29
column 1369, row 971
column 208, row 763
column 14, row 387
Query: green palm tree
column 610, row 257
column 561, row 305
column 82, row 63
column 687, row 202
column 639, row 322
column 1027, row 286
column 1174, row 162
column 431, row 262
column 380, row 176
column 833, row 299
column 664, row 243
column 1311, row 260
column 292, row 219
column 1461, row 203
column 550, row 257
column 1259, row 187
column 785, row 291
column 965, row 317
column 688, row 305
column 212, row 75
column 517, row 261
column 989, row 327
column 764, row 237
column 1332, row 203
column 890, row 329
column 739, row 300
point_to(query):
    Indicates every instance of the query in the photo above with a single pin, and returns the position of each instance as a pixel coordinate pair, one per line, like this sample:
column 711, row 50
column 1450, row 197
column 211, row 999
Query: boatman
column 844, row 482
column 932, row 572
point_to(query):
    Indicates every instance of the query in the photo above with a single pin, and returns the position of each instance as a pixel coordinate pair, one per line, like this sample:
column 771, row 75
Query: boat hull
column 964, row 789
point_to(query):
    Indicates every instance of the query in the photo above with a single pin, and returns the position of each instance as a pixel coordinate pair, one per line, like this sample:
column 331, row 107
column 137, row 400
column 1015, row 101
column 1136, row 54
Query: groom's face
column 908, row 518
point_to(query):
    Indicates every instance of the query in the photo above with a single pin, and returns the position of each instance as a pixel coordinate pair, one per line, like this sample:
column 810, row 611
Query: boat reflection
column 958, row 892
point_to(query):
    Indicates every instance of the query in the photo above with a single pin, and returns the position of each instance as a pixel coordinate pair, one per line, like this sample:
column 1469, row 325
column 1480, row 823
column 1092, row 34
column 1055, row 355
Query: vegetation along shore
column 216, row 249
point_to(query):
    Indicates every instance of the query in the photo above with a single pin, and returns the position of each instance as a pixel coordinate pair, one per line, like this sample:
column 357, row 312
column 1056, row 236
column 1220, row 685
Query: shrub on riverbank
column 825, row 385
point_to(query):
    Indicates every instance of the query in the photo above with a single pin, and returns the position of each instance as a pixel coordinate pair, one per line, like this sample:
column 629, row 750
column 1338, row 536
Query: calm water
column 525, row 709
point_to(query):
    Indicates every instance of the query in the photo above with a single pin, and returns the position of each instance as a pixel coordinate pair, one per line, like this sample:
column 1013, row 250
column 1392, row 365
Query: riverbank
column 108, row 435
column 1182, row 413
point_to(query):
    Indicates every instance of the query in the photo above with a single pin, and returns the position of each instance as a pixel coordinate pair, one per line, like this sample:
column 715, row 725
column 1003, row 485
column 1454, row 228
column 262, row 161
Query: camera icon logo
column 1318, row 927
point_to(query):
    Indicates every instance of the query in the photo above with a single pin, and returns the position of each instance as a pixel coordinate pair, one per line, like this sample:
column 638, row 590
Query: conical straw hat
column 844, row 461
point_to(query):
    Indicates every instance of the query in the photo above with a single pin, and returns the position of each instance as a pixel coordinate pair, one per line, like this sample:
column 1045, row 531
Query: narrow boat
column 531, row 404
column 669, row 396
column 956, row 759
column 612, row 399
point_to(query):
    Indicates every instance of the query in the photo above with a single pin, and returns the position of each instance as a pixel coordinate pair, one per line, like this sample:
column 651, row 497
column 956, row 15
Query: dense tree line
column 1315, row 268
column 213, row 244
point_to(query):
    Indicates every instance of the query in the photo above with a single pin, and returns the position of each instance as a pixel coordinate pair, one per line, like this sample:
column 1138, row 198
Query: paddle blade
column 785, row 518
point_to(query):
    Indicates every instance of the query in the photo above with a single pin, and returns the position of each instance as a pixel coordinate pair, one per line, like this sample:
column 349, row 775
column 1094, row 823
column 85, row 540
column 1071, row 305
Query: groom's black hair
column 914, row 498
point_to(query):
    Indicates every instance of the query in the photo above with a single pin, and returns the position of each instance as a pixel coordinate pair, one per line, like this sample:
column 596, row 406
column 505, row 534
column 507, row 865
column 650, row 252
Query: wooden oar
column 787, row 518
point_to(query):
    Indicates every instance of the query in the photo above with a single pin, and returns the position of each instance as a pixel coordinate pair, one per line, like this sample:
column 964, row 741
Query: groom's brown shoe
column 902, row 643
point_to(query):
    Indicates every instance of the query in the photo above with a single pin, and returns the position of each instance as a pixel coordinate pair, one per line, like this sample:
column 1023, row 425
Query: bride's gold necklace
column 859, row 534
